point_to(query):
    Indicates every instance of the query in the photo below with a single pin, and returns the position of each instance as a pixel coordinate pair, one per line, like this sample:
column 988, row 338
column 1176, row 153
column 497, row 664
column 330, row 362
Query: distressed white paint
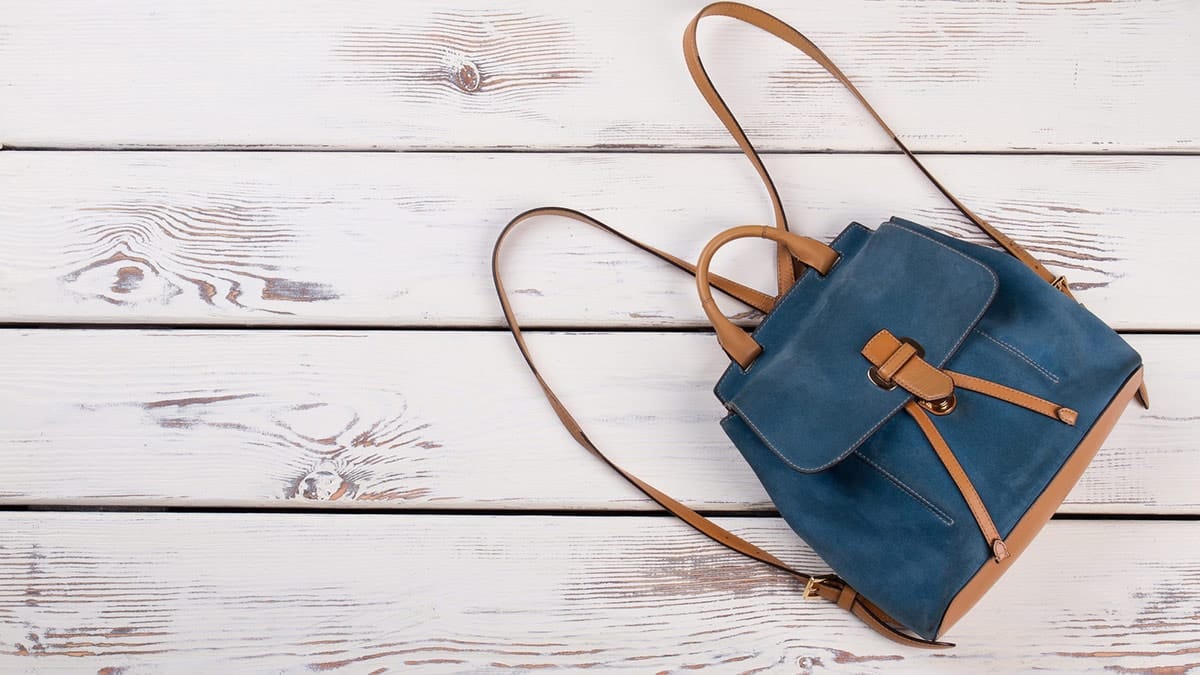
column 301, row 593
column 419, row 419
column 538, row 73
column 450, row 419
column 404, row 239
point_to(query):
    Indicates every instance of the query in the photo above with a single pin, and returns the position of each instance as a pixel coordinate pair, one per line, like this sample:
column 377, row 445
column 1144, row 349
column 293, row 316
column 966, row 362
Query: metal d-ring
column 877, row 379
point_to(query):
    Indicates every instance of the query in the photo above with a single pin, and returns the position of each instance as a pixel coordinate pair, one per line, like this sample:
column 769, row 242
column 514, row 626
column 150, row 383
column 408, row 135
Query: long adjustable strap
column 828, row 587
column 764, row 21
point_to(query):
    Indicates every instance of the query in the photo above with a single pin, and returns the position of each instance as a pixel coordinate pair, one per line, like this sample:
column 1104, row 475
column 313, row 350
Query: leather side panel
column 1041, row 511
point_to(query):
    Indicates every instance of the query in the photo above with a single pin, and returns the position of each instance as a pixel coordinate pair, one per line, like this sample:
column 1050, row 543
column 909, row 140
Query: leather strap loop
column 1016, row 397
column 766, row 22
column 737, row 343
column 899, row 363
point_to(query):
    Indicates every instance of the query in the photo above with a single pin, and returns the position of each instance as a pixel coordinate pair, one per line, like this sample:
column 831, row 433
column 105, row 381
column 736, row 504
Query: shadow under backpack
column 916, row 406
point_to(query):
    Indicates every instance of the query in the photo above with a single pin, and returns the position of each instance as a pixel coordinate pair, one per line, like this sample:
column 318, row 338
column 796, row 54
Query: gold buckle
column 1060, row 284
column 941, row 406
column 811, row 587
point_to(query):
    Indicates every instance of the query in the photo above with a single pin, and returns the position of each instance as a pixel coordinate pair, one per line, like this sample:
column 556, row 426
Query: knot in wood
column 128, row 279
column 466, row 76
column 322, row 484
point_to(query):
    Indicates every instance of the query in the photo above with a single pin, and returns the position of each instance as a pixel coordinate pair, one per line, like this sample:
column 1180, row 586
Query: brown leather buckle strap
column 982, row 517
column 764, row 21
column 828, row 587
column 900, row 362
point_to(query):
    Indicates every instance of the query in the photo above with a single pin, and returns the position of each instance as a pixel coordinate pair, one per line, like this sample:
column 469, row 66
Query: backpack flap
column 808, row 396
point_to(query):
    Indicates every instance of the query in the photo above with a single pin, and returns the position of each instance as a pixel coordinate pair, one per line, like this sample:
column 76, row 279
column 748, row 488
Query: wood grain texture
column 443, row 419
column 541, row 74
column 404, row 239
column 139, row 593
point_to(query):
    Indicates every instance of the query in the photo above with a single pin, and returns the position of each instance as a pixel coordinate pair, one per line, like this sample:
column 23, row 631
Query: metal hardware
column 877, row 379
column 1060, row 284
column 812, row 586
column 941, row 406
column 999, row 550
column 915, row 345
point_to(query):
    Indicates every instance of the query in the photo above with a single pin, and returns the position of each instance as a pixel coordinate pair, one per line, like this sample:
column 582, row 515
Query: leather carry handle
column 766, row 22
column 736, row 342
column 829, row 587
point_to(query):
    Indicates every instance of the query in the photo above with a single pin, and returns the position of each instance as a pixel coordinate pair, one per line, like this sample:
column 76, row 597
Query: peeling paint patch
column 288, row 290
column 195, row 400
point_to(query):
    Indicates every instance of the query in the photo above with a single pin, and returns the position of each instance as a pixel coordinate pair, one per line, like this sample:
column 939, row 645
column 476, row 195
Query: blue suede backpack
column 916, row 406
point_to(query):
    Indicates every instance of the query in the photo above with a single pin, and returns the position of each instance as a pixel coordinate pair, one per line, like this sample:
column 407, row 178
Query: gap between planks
column 586, row 150
column 419, row 328
column 505, row 513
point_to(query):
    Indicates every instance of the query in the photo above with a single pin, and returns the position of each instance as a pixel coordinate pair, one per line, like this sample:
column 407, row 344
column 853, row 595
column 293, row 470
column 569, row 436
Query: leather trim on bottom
column 1044, row 507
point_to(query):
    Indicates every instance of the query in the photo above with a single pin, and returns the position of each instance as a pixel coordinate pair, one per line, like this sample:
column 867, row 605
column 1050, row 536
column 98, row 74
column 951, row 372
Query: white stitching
column 941, row 515
column 803, row 279
column 951, row 352
column 1030, row 399
column 763, row 437
column 853, row 447
column 1021, row 355
column 986, row 305
column 767, row 441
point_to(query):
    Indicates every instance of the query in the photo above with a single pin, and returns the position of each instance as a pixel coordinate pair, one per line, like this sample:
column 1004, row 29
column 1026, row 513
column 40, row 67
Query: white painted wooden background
column 222, row 300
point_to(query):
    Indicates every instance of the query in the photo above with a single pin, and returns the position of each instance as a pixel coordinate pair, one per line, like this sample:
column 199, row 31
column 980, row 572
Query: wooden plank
column 387, row 239
column 537, row 73
column 442, row 419
column 269, row 592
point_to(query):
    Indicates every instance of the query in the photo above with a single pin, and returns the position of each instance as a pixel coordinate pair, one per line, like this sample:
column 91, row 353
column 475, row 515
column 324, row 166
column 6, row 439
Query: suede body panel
column 859, row 482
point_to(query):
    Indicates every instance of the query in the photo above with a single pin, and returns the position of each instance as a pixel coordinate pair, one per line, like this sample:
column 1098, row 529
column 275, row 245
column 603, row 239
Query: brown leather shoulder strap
column 764, row 21
column 829, row 587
